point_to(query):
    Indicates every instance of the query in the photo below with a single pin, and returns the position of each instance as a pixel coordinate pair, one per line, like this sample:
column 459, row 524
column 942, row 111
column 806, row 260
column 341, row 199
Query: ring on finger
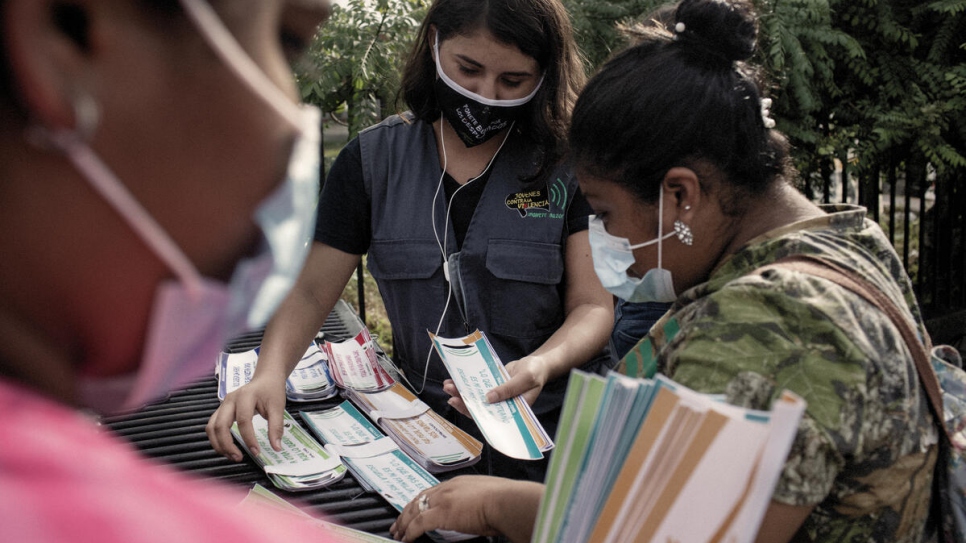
column 423, row 503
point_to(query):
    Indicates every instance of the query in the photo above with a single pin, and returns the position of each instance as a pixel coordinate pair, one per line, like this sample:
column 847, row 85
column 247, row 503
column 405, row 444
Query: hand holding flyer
column 509, row 426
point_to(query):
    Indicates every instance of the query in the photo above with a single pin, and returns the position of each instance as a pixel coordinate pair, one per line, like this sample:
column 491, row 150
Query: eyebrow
column 469, row 60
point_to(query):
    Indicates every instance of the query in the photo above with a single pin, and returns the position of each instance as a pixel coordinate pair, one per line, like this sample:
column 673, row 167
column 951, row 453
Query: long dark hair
column 540, row 29
column 679, row 97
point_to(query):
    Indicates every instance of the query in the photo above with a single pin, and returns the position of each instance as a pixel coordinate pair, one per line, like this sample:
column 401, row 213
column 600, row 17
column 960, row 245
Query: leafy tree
column 353, row 65
column 595, row 25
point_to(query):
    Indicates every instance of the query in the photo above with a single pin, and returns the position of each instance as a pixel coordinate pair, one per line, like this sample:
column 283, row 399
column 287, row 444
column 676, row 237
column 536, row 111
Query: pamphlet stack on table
column 374, row 459
column 651, row 460
column 310, row 381
column 509, row 426
column 353, row 364
column 432, row 441
column 302, row 464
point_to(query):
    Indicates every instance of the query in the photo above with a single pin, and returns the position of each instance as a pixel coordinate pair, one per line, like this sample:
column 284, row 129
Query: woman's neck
column 781, row 206
column 463, row 163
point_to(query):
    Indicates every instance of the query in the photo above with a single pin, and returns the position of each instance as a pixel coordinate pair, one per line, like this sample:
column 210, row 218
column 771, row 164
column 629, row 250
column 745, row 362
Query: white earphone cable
column 442, row 244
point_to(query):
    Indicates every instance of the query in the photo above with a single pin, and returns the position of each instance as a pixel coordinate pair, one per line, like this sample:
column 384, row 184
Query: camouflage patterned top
column 865, row 449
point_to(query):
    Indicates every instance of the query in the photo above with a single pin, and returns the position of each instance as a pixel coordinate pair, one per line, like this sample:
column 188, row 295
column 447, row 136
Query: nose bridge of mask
column 225, row 45
column 472, row 95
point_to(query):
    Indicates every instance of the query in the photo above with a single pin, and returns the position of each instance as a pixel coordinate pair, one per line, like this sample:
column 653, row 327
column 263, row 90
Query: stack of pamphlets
column 509, row 426
column 353, row 364
column 651, row 460
column 422, row 433
column 309, row 381
column 302, row 464
column 374, row 459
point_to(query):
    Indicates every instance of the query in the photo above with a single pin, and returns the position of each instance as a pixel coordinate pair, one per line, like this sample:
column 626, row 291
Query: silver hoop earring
column 684, row 233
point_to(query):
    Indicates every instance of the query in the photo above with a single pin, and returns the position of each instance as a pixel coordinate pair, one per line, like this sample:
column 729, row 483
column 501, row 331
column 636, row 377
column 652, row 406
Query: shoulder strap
column 851, row 280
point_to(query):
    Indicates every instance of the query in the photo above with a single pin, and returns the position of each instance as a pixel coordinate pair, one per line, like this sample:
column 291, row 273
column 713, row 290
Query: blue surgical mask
column 614, row 255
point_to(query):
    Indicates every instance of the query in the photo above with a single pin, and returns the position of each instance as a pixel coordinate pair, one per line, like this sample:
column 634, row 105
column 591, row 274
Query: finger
column 275, row 427
column 422, row 522
column 449, row 387
column 398, row 528
column 511, row 389
column 219, row 434
column 244, row 412
column 459, row 405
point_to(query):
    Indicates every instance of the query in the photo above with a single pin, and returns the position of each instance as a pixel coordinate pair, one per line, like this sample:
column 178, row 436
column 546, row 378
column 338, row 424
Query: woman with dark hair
column 691, row 199
column 144, row 144
column 468, row 219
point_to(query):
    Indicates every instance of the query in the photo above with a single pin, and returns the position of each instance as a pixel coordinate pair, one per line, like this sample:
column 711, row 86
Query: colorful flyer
column 427, row 437
column 309, row 381
column 302, row 464
column 235, row 370
column 374, row 459
column 353, row 364
column 509, row 426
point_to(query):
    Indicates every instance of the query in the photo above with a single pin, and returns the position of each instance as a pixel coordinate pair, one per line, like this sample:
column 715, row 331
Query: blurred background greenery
column 856, row 84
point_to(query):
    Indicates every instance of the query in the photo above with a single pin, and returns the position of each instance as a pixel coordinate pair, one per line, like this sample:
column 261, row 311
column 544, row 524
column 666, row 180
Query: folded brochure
column 302, row 464
column 354, row 364
column 423, row 434
column 509, row 426
column 374, row 459
column 309, row 381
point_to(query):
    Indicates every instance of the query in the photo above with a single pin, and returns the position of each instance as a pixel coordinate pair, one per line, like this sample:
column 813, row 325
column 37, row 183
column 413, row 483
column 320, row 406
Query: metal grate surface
column 173, row 431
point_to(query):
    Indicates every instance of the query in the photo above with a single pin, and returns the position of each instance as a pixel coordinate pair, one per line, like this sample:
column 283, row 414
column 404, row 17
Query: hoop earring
column 683, row 233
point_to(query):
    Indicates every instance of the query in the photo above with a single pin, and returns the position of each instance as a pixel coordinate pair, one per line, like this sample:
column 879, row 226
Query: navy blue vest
column 509, row 270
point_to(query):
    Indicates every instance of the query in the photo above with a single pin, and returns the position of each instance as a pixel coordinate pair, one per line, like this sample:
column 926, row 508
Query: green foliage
column 874, row 76
column 353, row 65
column 595, row 25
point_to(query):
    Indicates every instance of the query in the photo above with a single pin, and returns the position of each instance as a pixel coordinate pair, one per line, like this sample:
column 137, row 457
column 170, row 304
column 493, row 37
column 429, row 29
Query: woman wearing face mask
column 467, row 218
column 692, row 199
column 145, row 144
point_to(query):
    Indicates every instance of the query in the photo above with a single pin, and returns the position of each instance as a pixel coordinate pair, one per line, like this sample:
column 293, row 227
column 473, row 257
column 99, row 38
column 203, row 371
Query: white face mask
column 192, row 317
column 614, row 255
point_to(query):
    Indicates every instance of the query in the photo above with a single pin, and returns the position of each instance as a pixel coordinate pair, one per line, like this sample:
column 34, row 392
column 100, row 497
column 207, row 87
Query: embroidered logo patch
column 542, row 203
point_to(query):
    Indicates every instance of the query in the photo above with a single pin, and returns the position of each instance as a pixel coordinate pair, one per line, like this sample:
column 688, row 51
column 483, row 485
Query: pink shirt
column 62, row 479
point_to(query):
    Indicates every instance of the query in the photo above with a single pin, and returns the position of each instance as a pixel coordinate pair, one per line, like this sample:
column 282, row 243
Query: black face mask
column 475, row 118
column 473, row 122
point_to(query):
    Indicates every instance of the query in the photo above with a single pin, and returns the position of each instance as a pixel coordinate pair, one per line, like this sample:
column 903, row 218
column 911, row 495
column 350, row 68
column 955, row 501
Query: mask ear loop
column 442, row 244
column 213, row 30
column 660, row 226
column 73, row 144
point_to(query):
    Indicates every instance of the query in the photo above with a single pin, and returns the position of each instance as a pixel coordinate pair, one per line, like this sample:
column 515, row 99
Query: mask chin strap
column 472, row 95
column 225, row 45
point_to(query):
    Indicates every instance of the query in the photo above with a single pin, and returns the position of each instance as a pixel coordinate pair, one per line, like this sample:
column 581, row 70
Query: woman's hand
column 527, row 378
column 476, row 504
column 263, row 395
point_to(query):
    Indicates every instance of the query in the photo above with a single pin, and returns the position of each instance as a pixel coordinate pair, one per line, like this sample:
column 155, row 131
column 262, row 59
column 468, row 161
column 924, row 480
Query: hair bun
column 726, row 29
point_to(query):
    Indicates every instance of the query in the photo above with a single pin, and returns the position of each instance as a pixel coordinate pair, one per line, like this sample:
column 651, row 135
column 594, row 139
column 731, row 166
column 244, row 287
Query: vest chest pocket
column 525, row 298
column 403, row 259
